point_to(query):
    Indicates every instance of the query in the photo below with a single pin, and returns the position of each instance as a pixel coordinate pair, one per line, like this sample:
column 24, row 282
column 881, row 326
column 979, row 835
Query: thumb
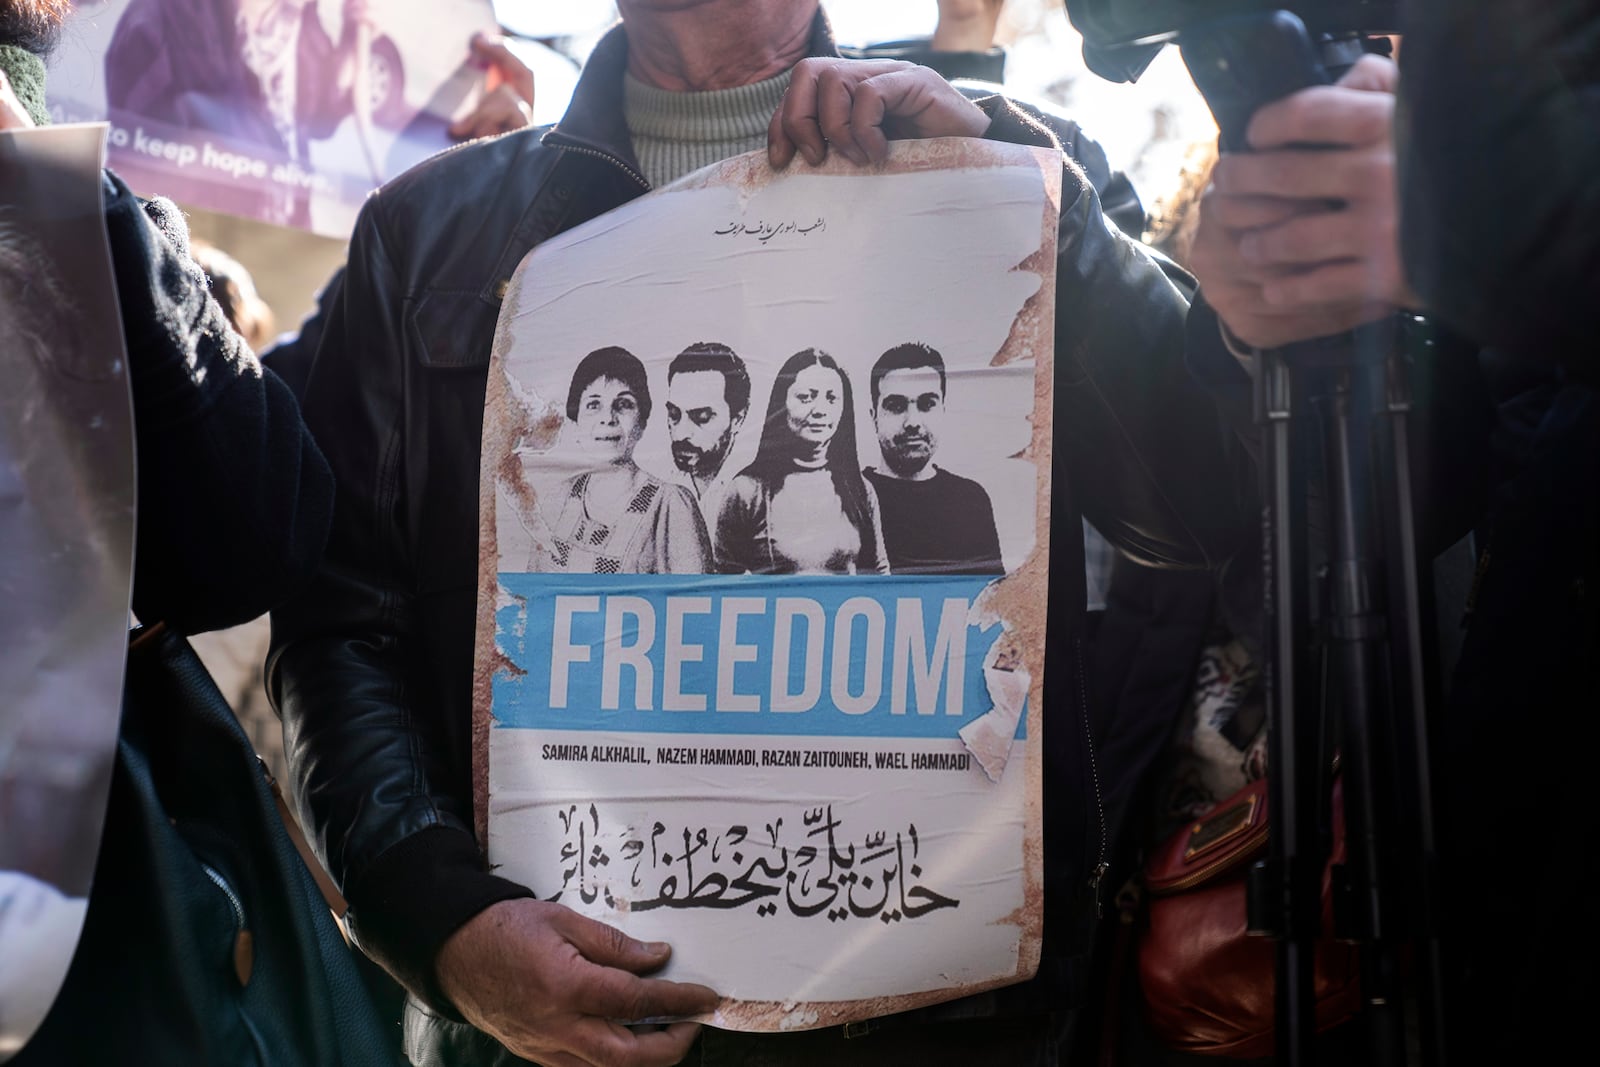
column 610, row 947
column 1373, row 74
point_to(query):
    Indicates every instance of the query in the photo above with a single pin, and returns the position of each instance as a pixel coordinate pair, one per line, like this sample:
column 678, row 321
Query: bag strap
column 330, row 892
column 143, row 638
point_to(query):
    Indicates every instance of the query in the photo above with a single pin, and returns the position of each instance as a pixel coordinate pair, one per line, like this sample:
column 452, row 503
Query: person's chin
column 907, row 466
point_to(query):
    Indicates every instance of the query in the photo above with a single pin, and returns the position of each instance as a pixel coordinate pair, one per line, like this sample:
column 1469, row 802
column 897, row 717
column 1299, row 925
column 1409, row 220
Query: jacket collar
column 594, row 122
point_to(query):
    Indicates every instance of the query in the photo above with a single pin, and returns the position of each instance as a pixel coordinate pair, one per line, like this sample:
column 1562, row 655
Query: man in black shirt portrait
column 934, row 522
column 708, row 396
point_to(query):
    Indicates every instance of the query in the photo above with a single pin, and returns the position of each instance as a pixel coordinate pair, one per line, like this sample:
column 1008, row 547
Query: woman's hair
column 235, row 292
column 617, row 364
column 1177, row 215
column 779, row 448
column 33, row 25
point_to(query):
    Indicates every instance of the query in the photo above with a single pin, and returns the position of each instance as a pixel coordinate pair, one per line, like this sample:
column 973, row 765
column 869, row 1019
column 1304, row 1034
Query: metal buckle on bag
column 860, row 1028
column 1218, row 828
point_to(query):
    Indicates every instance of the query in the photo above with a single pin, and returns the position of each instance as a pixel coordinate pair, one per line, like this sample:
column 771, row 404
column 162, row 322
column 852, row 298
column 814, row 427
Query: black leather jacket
column 372, row 669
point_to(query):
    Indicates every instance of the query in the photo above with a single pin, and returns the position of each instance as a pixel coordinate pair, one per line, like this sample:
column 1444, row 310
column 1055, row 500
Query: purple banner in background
column 284, row 111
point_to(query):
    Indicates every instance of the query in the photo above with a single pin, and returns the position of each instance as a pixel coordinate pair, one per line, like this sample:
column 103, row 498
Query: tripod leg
column 1412, row 690
column 1294, row 873
column 1358, row 636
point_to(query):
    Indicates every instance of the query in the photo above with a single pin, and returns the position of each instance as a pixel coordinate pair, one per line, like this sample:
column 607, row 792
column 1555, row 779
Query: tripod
column 1365, row 666
column 1347, row 672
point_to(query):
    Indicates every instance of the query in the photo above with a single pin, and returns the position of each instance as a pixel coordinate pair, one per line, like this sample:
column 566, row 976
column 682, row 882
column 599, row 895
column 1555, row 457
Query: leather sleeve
column 370, row 779
column 1498, row 135
column 1119, row 201
column 1151, row 464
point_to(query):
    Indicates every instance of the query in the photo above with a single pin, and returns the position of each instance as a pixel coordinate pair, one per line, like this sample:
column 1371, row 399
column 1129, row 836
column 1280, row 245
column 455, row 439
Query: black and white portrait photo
column 708, row 396
column 934, row 522
column 764, row 531
column 617, row 518
column 802, row 506
column 812, row 405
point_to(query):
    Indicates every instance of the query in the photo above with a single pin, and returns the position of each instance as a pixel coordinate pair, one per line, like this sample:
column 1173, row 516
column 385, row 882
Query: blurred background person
column 234, row 290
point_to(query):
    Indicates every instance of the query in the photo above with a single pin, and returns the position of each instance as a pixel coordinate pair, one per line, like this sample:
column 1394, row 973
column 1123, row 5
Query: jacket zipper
column 227, row 891
column 567, row 146
column 1102, row 865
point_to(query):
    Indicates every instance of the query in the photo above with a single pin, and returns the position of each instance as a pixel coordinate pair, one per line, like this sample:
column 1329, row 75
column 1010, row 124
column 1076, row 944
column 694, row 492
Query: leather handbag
column 207, row 940
column 1207, row 983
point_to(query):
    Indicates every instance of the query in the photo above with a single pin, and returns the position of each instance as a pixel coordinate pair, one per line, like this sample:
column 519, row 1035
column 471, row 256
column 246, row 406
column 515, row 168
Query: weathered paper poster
column 66, row 553
column 765, row 504
column 284, row 111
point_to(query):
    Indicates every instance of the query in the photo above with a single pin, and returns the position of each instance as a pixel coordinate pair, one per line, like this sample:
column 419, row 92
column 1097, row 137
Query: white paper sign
column 765, row 526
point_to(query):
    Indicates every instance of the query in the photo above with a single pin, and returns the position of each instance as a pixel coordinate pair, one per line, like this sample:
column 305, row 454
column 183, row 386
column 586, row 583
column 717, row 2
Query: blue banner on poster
column 881, row 656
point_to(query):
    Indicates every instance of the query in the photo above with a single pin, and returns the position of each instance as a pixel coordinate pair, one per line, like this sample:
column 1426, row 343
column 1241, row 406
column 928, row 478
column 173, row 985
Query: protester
column 372, row 667
column 235, row 292
column 234, row 501
column 1509, row 255
column 1297, row 244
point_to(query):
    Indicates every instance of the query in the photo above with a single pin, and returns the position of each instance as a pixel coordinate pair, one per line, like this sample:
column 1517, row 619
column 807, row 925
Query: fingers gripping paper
column 765, row 521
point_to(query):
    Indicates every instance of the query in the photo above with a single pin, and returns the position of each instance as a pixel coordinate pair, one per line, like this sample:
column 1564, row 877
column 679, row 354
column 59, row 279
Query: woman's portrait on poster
column 617, row 518
column 802, row 506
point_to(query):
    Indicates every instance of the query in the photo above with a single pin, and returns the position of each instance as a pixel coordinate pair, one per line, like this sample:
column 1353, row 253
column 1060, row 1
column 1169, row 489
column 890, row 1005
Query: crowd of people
column 1360, row 201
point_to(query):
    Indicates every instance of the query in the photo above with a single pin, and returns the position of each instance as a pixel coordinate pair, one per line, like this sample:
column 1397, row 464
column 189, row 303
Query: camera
column 1121, row 37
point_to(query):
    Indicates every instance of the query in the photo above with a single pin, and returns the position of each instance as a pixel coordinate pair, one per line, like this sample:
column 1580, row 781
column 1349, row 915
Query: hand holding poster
column 285, row 111
column 764, row 530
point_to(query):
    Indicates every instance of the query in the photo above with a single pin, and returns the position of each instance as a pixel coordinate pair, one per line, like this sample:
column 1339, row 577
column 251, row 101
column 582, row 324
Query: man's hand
column 1297, row 242
column 966, row 25
column 857, row 106
column 13, row 116
column 556, row 987
column 358, row 13
column 507, row 102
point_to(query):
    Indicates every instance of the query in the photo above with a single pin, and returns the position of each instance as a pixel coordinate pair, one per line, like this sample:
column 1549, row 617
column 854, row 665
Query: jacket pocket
column 452, row 328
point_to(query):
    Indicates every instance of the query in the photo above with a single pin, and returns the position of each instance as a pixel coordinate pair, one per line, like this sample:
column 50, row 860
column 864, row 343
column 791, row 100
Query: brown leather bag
column 1207, row 983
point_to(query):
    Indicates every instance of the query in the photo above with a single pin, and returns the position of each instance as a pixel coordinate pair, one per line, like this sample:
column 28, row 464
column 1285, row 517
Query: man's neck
column 716, row 44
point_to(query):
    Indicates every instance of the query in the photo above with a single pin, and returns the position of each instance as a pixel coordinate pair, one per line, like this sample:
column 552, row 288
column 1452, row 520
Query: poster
column 764, row 516
column 284, row 111
column 66, row 524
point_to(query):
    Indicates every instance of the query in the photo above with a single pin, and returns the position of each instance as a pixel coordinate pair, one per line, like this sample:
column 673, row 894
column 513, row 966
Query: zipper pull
column 1094, row 887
